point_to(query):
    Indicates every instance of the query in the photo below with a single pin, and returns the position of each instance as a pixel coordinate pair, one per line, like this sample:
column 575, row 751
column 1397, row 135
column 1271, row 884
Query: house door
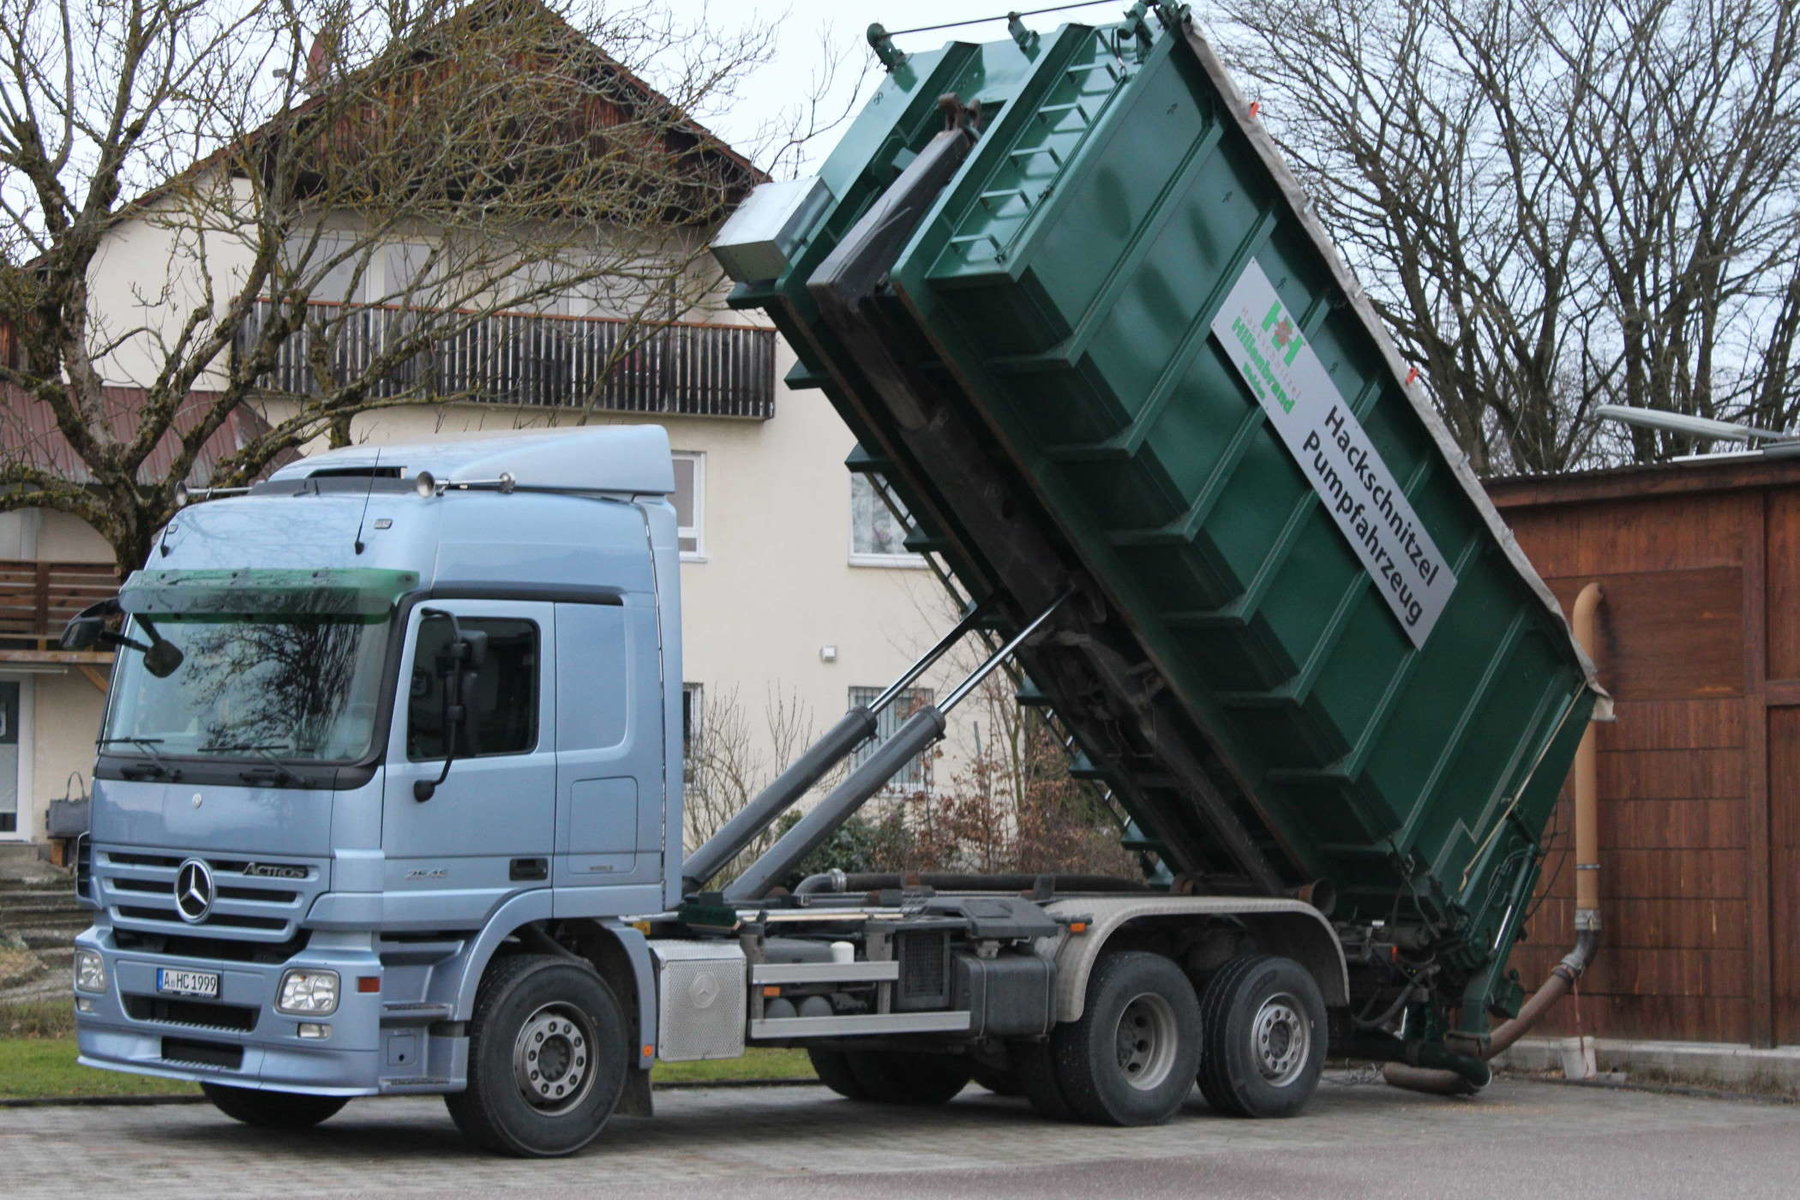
column 9, row 759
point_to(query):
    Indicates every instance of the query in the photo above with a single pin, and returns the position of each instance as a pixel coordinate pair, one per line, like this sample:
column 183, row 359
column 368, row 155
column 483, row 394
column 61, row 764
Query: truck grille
column 193, row 1053
column 195, row 1014
column 138, row 889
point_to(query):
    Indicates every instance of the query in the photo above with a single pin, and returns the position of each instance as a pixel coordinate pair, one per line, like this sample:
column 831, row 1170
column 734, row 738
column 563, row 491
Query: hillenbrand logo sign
column 1334, row 452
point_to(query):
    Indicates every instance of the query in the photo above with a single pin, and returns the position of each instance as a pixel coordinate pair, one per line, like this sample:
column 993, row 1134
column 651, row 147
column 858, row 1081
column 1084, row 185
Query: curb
column 1693, row 1091
column 151, row 1101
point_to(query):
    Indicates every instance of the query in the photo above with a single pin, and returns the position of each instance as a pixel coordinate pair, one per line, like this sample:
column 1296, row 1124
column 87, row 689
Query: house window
column 690, row 716
column 915, row 776
column 877, row 537
column 690, row 503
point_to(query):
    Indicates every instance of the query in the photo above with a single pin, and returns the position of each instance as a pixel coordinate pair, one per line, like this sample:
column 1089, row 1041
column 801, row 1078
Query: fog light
column 90, row 971
column 313, row 1029
column 306, row 992
column 83, row 1004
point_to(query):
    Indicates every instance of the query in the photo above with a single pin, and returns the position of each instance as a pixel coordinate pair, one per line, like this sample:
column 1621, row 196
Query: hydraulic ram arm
column 921, row 730
column 851, row 730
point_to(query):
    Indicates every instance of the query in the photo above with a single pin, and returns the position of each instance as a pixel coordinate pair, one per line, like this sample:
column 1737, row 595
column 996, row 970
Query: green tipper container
column 1081, row 322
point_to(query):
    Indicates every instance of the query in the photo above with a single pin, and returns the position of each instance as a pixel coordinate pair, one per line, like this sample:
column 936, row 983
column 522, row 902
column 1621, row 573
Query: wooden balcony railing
column 529, row 359
column 38, row 598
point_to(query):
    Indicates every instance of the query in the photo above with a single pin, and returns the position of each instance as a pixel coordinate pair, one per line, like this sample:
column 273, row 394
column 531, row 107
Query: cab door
column 488, row 828
column 609, row 759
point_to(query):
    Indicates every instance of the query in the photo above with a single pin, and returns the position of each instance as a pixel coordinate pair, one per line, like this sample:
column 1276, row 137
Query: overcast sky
column 787, row 81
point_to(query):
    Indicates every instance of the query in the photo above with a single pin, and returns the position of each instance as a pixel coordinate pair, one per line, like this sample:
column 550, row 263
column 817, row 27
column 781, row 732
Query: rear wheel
column 271, row 1110
column 1264, row 1022
column 1130, row 1058
column 546, row 1058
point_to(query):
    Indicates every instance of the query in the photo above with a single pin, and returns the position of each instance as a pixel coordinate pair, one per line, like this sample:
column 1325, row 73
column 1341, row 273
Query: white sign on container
column 1264, row 342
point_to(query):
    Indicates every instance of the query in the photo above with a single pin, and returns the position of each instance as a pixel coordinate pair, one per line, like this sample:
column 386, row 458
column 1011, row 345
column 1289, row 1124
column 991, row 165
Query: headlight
column 308, row 992
column 90, row 971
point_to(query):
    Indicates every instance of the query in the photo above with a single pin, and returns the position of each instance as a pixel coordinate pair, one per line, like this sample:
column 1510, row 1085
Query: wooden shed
column 1699, row 777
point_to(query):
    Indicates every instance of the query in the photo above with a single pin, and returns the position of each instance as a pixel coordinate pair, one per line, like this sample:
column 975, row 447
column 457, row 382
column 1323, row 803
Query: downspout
column 1587, row 901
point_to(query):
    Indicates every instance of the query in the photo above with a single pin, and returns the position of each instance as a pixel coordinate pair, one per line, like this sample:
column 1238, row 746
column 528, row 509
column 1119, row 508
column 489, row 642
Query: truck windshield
column 267, row 666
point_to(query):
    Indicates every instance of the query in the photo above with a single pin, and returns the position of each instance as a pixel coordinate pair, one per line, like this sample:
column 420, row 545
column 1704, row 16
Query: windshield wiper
column 284, row 772
column 155, row 769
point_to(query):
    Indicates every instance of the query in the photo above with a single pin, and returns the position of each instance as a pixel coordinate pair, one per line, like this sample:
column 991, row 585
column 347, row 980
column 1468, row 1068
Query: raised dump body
column 1071, row 303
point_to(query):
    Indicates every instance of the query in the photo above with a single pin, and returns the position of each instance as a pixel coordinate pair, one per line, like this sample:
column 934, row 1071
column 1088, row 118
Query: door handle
column 529, row 869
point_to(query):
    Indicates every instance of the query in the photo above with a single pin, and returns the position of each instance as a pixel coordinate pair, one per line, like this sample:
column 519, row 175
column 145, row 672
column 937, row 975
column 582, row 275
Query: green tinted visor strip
column 356, row 593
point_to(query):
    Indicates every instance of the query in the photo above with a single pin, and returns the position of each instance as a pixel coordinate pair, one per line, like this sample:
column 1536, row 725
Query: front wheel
column 546, row 1059
column 1265, row 1037
column 271, row 1110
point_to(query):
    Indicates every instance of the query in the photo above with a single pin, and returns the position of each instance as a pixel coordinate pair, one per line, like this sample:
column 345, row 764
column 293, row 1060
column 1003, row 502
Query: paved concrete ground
column 1519, row 1139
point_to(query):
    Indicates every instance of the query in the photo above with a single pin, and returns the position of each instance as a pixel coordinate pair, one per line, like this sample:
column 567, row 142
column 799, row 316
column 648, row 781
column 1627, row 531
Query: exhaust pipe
column 1587, row 906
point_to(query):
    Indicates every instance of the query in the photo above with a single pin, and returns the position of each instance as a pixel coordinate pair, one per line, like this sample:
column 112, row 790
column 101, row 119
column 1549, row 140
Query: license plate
column 187, row 983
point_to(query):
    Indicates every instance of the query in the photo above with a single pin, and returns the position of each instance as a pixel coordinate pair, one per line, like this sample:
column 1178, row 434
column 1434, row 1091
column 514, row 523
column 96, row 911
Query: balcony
column 688, row 370
column 38, row 598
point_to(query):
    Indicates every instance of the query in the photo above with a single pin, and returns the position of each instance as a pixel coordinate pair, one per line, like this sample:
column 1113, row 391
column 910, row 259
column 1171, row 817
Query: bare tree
column 311, row 209
column 1555, row 203
column 730, row 760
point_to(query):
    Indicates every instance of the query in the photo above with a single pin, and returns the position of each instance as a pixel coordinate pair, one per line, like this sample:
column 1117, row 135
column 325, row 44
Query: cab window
column 505, row 695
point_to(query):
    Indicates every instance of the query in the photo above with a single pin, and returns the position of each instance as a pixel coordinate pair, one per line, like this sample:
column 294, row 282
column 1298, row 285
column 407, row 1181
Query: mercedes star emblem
column 193, row 891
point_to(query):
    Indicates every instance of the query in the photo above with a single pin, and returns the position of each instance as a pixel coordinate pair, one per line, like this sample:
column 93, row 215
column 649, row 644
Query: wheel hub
column 1280, row 1038
column 1146, row 1041
column 552, row 1058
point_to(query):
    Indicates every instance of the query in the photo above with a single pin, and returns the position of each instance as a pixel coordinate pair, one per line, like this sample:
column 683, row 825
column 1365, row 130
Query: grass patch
column 38, row 1067
column 756, row 1064
column 42, row 1067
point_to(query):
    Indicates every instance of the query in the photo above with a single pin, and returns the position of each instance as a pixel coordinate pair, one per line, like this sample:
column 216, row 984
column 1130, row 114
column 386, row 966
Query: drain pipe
column 1587, row 901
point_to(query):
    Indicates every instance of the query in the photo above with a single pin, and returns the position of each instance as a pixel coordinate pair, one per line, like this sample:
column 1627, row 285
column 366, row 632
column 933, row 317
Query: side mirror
column 470, row 649
column 163, row 657
column 87, row 628
column 82, row 633
column 458, row 668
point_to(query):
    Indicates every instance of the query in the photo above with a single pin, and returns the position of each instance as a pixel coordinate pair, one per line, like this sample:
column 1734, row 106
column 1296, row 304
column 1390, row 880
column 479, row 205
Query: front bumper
column 240, row 1040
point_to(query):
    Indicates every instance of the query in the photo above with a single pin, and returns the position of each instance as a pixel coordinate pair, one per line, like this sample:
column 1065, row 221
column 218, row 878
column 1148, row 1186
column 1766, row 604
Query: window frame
column 697, row 530
column 537, row 693
column 693, row 707
column 864, row 558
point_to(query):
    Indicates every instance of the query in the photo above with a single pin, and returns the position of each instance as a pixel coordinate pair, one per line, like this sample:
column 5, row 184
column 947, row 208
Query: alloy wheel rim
column 553, row 1061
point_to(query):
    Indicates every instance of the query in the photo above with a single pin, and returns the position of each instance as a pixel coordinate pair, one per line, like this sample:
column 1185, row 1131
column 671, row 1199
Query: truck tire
column 272, row 1110
column 833, row 1069
column 1131, row 1057
column 547, row 1058
column 897, row 1077
column 1265, row 1030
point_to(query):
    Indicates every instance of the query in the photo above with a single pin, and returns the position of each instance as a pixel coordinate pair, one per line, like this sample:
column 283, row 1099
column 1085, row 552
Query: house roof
column 1694, row 476
column 412, row 56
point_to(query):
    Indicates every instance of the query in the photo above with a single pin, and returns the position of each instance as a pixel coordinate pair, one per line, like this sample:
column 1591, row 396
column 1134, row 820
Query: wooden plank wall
column 1699, row 778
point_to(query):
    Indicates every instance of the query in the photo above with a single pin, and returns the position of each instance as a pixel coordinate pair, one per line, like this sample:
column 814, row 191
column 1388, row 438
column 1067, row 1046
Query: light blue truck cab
column 297, row 888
